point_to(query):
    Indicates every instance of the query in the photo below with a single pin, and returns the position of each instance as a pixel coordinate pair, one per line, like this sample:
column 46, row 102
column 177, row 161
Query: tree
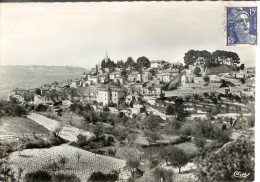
column 178, row 158
column 163, row 175
column 132, row 164
column 200, row 143
column 243, row 80
column 78, row 155
column 179, row 109
column 103, row 63
column 38, row 176
column 206, row 79
column 58, row 128
column 60, row 177
column 129, row 62
column 165, row 153
column 151, row 122
column 38, row 91
column 6, row 172
column 99, row 176
column 63, row 161
column 197, row 71
column 170, row 110
column 242, row 67
column 19, row 111
column 143, row 62
column 190, row 57
column 239, row 155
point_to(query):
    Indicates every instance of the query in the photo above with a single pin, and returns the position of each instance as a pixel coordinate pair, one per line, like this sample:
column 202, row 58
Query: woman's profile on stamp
column 239, row 30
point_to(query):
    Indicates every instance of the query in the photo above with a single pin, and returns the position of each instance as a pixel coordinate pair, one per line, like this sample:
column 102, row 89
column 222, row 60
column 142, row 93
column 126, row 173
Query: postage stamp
column 241, row 26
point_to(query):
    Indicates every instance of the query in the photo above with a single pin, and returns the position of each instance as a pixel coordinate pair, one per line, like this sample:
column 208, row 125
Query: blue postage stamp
column 241, row 26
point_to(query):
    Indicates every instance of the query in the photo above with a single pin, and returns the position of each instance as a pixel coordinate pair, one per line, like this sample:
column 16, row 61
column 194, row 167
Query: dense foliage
column 11, row 108
column 221, row 166
column 99, row 176
column 206, row 58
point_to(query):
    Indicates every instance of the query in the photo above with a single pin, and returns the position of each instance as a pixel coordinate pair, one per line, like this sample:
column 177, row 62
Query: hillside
column 12, row 77
column 214, row 70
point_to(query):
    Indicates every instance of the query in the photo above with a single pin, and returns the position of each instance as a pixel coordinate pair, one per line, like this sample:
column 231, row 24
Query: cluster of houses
column 117, row 85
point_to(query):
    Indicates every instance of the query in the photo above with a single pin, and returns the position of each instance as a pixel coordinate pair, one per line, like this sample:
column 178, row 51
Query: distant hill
column 12, row 77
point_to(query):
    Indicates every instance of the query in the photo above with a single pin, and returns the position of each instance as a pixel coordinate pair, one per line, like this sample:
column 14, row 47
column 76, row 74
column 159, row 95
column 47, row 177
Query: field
column 18, row 125
column 40, row 159
column 68, row 132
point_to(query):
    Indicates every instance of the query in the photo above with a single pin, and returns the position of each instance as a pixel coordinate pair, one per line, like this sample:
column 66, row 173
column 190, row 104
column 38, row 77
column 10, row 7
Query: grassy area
column 18, row 125
column 67, row 132
column 41, row 159
column 68, row 118
column 188, row 147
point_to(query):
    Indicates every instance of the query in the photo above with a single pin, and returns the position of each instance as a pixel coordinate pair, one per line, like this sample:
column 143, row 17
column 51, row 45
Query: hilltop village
column 116, row 84
column 147, row 120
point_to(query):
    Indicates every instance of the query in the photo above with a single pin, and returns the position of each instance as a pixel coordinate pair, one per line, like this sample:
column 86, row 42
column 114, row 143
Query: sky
column 80, row 34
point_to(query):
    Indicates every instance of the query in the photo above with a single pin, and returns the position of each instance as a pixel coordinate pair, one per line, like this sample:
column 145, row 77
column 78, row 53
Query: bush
column 38, row 176
column 60, row 177
column 110, row 139
column 111, row 104
column 99, row 176
column 163, row 174
column 55, row 141
column 37, row 144
column 176, row 125
column 154, row 161
column 200, row 143
column 11, row 108
column 186, row 131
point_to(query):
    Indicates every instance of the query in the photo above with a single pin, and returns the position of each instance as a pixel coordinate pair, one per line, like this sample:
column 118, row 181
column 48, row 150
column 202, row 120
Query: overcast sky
column 79, row 34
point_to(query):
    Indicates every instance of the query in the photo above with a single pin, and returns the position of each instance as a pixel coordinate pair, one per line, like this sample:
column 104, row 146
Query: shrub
column 82, row 140
column 99, row 176
column 163, row 174
column 37, row 144
column 176, row 125
column 186, row 131
column 154, row 161
column 38, row 176
column 60, row 177
column 200, row 143
column 110, row 139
